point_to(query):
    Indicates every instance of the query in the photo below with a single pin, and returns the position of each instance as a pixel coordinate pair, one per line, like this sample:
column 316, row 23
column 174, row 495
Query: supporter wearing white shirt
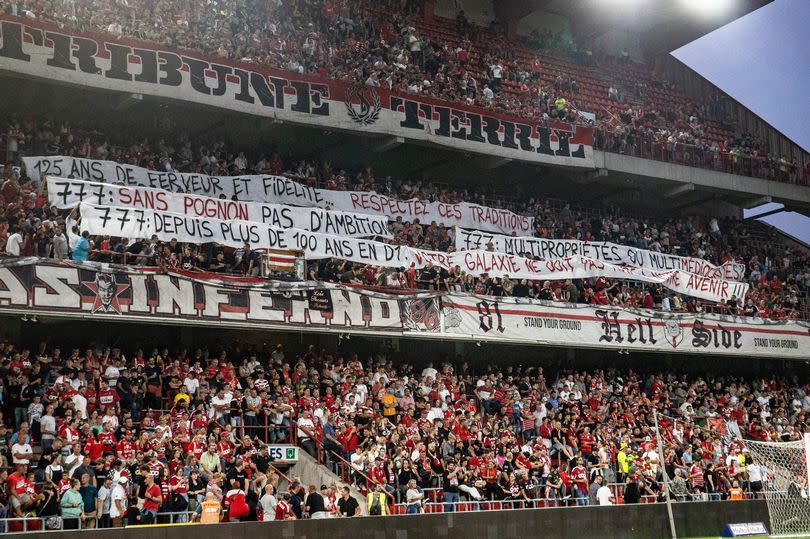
column 307, row 423
column 444, row 393
column 118, row 505
column 540, row 412
column 349, row 405
column 754, row 473
column 104, row 499
column 733, row 459
column 80, row 405
column 268, row 502
column 380, row 377
column 14, row 243
column 21, row 453
column 435, row 413
column 429, row 371
column 192, row 383
column 73, row 461
column 110, row 417
column 219, row 403
column 361, row 390
column 318, row 413
column 652, row 454
column 111, row 373
column 603, row 495
column 241, row 162
column 47, row 425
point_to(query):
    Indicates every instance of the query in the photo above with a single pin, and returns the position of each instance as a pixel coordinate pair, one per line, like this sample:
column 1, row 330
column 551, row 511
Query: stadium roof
column 761, row 60
column 765, row 75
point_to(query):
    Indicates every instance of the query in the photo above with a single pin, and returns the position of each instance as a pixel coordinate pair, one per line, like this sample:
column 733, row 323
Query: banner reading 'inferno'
column 109, row 292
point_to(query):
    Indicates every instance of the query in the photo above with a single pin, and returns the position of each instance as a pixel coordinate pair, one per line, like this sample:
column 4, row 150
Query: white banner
column 527, row 321
column 281, row 190
column 66, row 193
column 39, row 49
column 548, row 249
column 136, row 223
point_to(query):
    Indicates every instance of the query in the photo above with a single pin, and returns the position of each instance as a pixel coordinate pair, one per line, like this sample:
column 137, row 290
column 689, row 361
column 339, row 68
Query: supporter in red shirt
column 107, row 396
column 107, row 438
column 377, row 473
column 15, row 482
column 154, row 466
column 586, row 442
column 93, row 449
column 153, row 498
column 579, row 476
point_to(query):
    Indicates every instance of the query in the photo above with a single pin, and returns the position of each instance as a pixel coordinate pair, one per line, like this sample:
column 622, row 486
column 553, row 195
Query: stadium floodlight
column 707, row 8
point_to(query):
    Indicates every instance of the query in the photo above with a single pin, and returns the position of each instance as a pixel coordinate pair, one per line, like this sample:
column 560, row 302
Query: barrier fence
column 433, row 501
column 55, row 523
column 694, row 156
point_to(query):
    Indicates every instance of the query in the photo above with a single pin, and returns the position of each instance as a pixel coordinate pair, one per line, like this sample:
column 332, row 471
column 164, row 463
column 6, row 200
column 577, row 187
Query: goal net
column 783, row 469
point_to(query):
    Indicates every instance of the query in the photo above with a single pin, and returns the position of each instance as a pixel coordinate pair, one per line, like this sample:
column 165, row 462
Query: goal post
column 807, row 459
column 785, row 477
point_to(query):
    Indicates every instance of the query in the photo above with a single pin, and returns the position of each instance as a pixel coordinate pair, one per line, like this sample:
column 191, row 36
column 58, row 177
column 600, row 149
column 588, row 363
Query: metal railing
column 694, row 156
column 59, row 523
column 432, row 504
column 341, row 467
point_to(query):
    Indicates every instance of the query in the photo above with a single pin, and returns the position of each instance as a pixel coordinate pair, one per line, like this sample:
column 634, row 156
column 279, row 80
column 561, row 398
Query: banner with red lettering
column 526, row 321
column 278, row 190
column 549, row 249
column 137, row 223
column 65, row 193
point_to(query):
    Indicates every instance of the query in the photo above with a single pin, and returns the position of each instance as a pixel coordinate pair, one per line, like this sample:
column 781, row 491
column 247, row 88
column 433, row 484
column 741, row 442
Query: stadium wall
column 646, row 521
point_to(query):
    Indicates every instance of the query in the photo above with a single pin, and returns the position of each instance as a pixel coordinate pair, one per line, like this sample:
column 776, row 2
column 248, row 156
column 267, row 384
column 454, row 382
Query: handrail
column 345, row 463
column 280, row 473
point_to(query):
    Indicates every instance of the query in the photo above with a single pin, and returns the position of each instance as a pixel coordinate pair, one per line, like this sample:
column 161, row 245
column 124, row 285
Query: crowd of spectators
column 390, row 44
column 779, row 275
column 105, row 437
column 648, row 134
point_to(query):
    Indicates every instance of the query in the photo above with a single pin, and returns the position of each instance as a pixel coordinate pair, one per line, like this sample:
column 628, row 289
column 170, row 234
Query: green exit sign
column 283, row 453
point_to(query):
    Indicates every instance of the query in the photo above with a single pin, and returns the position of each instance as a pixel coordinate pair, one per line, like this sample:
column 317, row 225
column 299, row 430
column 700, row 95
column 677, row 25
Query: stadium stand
column 94, row 434
column 506, row 437
column 389, row 45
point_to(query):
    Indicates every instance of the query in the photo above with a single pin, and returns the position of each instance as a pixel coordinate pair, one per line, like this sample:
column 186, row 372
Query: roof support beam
column 754, row 202
column 681, row 189
column 386, row 143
